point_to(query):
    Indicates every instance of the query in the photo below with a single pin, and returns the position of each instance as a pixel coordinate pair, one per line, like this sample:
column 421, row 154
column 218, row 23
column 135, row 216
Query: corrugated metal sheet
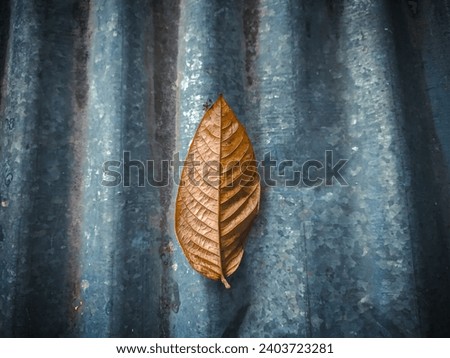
column 84, row 81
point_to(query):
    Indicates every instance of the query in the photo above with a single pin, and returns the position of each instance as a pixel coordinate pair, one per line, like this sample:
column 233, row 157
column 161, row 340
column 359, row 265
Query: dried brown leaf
column 218, row 196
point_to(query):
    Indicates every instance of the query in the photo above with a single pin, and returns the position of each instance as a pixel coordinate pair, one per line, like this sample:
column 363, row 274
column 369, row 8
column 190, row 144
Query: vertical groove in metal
column 165, row 18
column 5, row 14
column 86, row 82
column 20, row 99
column 78, row 125
column 427, row 135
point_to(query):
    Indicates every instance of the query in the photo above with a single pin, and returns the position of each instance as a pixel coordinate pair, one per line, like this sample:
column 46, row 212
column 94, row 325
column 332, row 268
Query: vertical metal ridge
column 102, row 227
column 211, row 60
column 45, row 255
column 131, row 99
column 272, row 121
column 377, row 178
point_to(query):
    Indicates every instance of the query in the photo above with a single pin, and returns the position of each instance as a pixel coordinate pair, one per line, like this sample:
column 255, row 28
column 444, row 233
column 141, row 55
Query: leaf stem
column 225, row 282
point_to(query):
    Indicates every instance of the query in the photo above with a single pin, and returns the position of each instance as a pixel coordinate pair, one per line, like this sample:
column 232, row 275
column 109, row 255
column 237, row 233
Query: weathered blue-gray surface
column 84, row 82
